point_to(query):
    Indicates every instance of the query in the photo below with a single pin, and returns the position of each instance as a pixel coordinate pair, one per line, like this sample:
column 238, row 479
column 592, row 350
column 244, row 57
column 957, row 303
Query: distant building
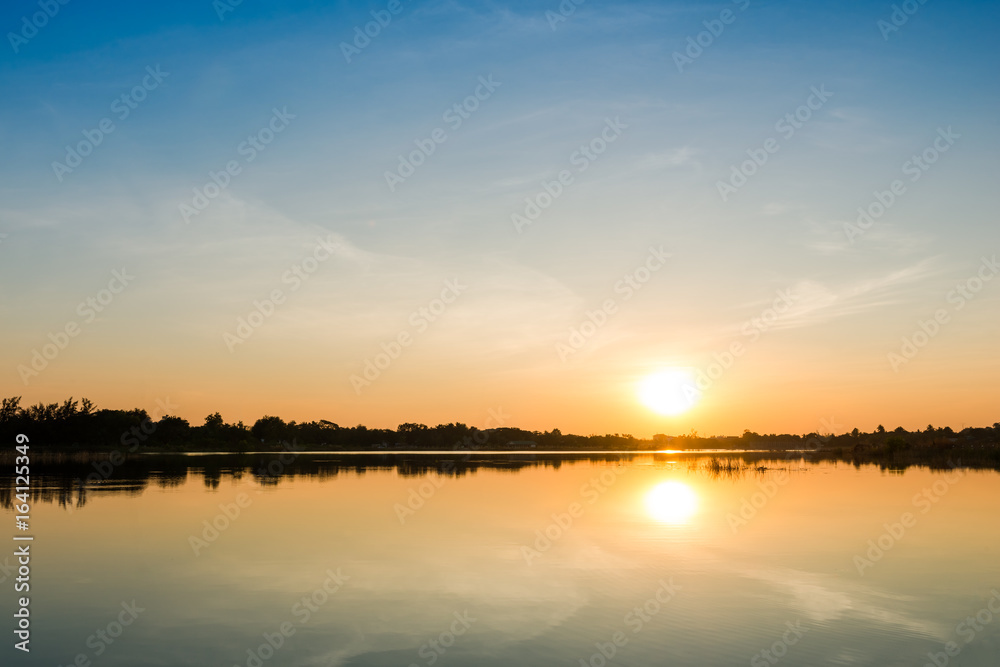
column 522, row 444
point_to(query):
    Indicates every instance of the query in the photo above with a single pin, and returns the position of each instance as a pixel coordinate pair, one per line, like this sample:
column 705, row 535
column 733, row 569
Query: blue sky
column 656, row 184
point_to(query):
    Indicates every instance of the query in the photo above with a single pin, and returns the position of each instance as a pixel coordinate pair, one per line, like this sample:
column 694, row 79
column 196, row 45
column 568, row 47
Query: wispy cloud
column 824, row 598
column 817, row 303
column 883, row 238
column 676, row 157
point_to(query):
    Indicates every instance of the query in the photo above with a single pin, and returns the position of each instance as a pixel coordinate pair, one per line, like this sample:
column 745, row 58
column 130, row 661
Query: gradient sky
column 495, row 347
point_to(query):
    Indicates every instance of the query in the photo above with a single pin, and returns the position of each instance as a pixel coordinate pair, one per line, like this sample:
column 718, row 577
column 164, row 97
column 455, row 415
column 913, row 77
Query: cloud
column 824, row 598
column 776, row 208
column 817, row 303
column 881, row 239
column 677, row 157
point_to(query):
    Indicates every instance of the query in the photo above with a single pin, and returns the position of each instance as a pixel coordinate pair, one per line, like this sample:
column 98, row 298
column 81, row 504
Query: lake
column 404, row 559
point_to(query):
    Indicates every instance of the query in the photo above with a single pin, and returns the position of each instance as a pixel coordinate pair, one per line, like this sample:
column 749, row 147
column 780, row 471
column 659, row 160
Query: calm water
column 646, row 559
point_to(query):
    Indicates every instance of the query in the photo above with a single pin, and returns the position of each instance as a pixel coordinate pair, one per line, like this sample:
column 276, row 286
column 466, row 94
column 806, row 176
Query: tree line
column 81, row 425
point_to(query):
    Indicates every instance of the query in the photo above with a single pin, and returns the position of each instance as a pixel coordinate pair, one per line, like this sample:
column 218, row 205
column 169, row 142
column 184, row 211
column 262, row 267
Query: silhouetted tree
column 172, row 430
column 270, row 429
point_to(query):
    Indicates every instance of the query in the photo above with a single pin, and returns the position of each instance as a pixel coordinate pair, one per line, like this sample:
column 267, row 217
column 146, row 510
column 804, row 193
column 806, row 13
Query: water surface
column 504, row 559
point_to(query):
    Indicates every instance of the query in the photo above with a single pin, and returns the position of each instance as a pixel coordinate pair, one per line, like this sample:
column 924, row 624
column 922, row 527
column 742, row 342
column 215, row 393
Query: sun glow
column 669, row 392
column 672, row 502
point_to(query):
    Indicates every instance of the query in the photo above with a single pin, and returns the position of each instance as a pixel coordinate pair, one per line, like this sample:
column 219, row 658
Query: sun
column 672, row 502
column 669, row 392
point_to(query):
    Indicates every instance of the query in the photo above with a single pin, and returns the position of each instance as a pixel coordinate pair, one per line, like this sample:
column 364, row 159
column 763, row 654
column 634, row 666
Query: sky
column 524, row 209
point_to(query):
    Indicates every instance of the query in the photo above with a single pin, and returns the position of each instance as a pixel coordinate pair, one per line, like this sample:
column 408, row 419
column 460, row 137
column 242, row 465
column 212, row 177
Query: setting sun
column 671, row 502
column 669, row 392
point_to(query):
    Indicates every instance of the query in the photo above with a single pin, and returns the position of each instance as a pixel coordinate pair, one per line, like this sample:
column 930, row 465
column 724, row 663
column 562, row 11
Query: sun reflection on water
column 672, row 502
